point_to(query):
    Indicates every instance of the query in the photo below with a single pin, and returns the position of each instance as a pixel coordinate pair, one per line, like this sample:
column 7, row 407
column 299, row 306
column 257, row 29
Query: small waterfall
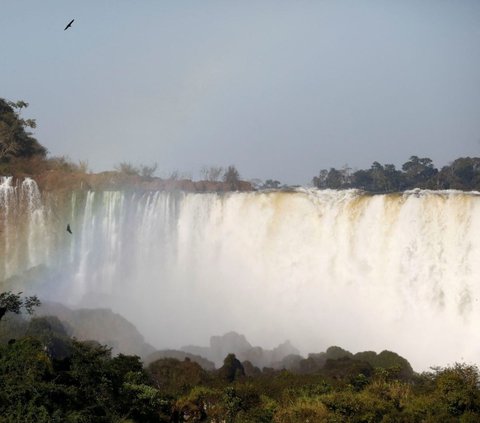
column 398, row 271
column 24, row 240
column 7, row 209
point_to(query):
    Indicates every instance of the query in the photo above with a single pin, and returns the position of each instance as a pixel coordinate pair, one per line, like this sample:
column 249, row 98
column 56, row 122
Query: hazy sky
column 279, row 88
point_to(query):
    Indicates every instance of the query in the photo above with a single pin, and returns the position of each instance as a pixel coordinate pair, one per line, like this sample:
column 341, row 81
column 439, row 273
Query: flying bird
column 69, row 24
column 68, row 229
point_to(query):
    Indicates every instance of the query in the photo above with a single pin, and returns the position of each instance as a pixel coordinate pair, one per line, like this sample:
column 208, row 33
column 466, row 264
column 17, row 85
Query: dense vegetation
column 462, row 174
column 20, row 152
column 15, row 138
column 46, row 376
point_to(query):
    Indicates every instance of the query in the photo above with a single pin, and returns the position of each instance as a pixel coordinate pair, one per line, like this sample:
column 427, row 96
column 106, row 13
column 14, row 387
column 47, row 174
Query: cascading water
column 23, row 231
column 398, row 272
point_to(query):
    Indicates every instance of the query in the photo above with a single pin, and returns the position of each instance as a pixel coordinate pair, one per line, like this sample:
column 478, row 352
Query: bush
column 303, row 410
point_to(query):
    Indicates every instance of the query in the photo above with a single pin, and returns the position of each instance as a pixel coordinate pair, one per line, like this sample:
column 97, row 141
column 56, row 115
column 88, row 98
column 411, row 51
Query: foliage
column 87, row 385
column 47, row 376
column 232, row 369
column 271, row 184
column 148, row 171
column 303, row 410
column 53, row 335
column 199, row 403
column 416, row 172
column 37, row 164
column 458, row 389
column 176, row 377
column 127, row 168
column 13, row 303
column 142, row 170
column 15, row 139
column 65, row 164
column 231, row 177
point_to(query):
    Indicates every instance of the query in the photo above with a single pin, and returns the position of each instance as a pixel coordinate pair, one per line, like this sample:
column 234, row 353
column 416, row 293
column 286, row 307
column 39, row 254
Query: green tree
column 175, row 377
column 418, row 172
column 14, row 303
column 463, row 173
column 232, row 369
column 458, row 390
column 334, row 179
column 53, row 335
column 271, row 184
column 15, row 138
column 320, row 181
column 363, row 179
column 394, row 178
column 25, row 372
column 335, row 353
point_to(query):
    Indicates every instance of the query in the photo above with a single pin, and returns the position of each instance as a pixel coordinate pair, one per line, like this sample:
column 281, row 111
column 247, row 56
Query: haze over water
column 320, row 268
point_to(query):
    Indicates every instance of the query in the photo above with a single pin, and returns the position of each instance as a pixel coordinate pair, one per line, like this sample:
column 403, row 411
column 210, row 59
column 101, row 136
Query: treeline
column 46, row 376
column 462, row 174
column 21, row 154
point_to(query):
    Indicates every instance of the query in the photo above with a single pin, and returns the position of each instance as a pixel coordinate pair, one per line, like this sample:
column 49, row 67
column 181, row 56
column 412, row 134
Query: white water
column 321, row 268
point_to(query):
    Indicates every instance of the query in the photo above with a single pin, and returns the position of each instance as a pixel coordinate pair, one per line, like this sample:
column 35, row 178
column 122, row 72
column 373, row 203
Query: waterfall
column 321, row 268
column 22, row 224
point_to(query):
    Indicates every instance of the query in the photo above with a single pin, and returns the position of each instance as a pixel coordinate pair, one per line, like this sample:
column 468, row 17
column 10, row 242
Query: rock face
column 231, row 342
column 234, row 343
column 102, row 325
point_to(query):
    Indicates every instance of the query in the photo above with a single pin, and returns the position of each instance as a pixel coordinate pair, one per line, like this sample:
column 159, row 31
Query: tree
column 174, row 377
column 13, row 303
column 394, row 178
column 53, row 335
column 15, row 139
column 335, row 352
column 418, row 171
column 232, row 368
column 148, row 171
column 457, row 388
column 362, row 179
column 231, row 177
column 271, row 184
column 463, row 173
column 320, row 180
column 334, row 179
column 385, row 178
column 211, row 173
column 378, row 176
column 127, row 168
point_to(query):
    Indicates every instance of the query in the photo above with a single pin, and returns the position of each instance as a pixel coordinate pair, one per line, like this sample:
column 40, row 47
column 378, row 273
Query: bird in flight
column 68, row 229
column 69, row 24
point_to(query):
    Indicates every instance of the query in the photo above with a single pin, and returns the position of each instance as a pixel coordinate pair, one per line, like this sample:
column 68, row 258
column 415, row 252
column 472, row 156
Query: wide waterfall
column 397, row 271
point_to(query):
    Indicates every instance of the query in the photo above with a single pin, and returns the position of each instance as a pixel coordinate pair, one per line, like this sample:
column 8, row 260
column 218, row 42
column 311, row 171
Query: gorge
column 317, row 267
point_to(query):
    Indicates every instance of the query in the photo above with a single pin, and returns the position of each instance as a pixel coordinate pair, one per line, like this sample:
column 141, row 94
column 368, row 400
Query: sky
column 280, row 89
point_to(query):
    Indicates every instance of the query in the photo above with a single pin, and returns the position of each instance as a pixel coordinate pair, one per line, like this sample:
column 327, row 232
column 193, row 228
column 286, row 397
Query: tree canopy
column 417, row 172
column 46, row 376
column 13, row 303
column 15, row 138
